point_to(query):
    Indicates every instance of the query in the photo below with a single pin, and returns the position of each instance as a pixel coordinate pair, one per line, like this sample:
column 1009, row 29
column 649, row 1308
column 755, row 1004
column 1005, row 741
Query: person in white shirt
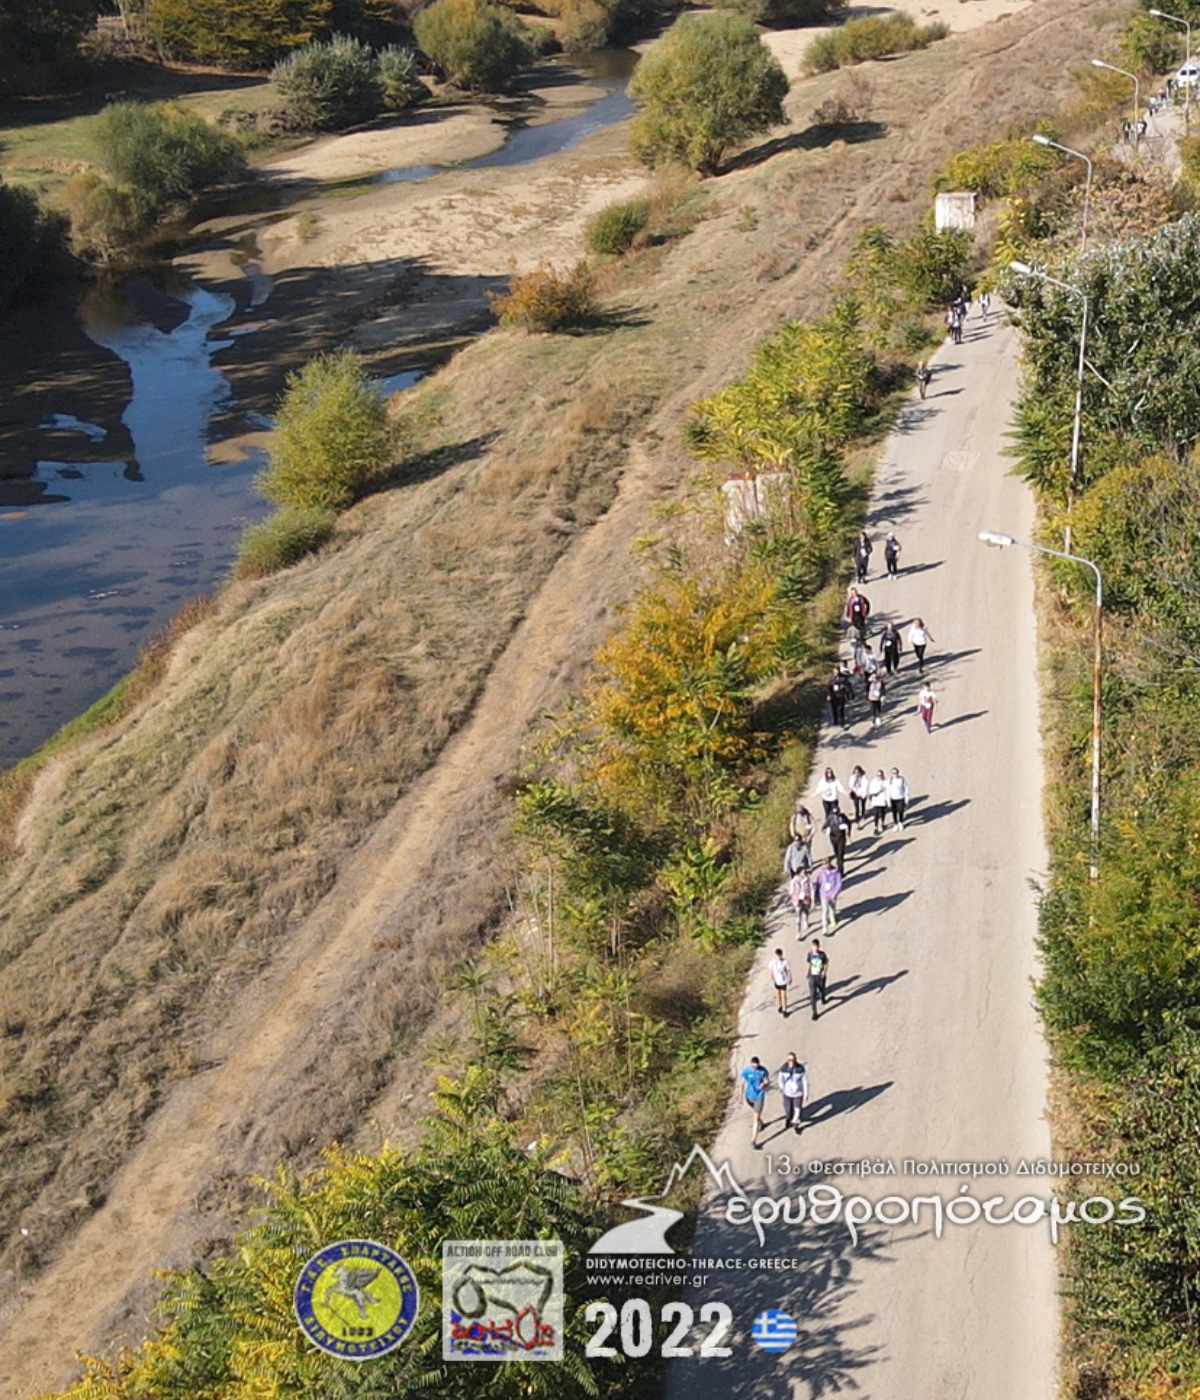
column 829, row 790
column 877, row 796
column 793, row 1085
column 858, row 791
column 926, row 701
column 897, row 791
column 781, row 980
column 919, row 637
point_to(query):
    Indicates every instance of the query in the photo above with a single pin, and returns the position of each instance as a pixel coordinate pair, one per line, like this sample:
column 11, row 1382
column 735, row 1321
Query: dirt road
column 929, row 1046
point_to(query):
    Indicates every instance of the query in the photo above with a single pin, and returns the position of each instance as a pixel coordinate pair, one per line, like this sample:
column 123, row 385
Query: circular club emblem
column 356, row 1299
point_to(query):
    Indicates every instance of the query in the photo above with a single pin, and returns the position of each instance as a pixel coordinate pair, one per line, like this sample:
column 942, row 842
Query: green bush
column 399, row 80
column 1150, row 45
column 1009, row 167
column 583, row 25
column 546, row 300
column 785, row 14
column 162, row 155
column 235, row 33
column 283, row 539
column 332, row 436
column 32, row 241
column 105, row 220
column 706, row 85
column 614, row 230
column 476, row 45
column 329, row 84
column 876, row 37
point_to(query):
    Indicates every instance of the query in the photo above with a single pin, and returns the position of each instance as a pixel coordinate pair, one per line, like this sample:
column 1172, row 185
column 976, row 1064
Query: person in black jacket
column 838, row 692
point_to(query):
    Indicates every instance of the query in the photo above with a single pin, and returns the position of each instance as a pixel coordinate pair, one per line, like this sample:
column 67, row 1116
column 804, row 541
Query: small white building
column 956, row 210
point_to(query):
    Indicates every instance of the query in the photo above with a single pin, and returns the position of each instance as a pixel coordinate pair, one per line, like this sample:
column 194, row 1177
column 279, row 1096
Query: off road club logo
column 502, row 1300
column 356, row 1300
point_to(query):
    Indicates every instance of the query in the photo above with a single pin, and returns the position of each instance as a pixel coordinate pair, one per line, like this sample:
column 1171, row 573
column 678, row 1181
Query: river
column 123, row 521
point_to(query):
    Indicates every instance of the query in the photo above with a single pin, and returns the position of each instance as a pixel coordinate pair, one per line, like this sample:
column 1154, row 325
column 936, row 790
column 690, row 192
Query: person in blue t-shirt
column 756, row 1081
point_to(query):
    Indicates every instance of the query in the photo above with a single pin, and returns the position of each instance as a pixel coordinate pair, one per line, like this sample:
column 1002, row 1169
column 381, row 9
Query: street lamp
column 1026, row 271
column 1137, row 87
column 1004, row 541
column 1187, row 87
column 1087, row 189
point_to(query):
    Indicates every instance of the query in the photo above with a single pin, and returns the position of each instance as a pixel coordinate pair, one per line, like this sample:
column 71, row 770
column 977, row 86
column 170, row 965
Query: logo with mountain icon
column 648, row 1234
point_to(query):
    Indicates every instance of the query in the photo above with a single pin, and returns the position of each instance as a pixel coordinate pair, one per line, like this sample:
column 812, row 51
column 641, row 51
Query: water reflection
column 115, row 547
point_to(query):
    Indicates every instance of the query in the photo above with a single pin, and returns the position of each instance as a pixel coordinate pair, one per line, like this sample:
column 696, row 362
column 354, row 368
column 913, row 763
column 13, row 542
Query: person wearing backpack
column 800, row 892
column 818, row 966
column 801, row 827
column 858, row 609
column 793, row 1085
column 838, row 828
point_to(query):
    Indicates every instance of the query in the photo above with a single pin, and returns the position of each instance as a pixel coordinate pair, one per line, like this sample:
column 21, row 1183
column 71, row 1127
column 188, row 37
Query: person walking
column 818, row 966
column 828, row 886
column 858, row 792
column 862, row 555
column 879, row 800
column 891, row 647
column 838, row 828
column 830, row 791
column 924, row 375
column 756, row 1081
column 891, row 554
column 797, row 857
column 858, row 609
column 919, row 637
column 869, row 662
column 839, row 692
column 926, row 701
column 858, row 653
column 876, row 690
column 800, row 892
column 801, row 825
column 793, row 1085
column 985, row 304
column 897, row 790
column 781, row 980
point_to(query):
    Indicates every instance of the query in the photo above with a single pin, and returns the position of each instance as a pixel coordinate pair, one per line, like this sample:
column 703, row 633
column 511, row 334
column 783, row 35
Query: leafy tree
column 1143, row 303
column 332, row 435
column 399, row 80
column 786, row 14
column 38, row 35
column 228, row 1331
column 1009, row 167
column 32, row 241
column 475, row 44
column 708, row 84
column 235, row 33
column 330, row 83
column 1150, row 45
column 163, row 154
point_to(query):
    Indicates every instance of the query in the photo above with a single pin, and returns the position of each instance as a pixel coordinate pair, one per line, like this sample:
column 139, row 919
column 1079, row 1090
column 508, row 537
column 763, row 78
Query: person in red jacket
column 858, row 609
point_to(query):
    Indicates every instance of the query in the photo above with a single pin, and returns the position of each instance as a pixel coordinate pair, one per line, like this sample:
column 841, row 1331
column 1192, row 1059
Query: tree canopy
column 706, row 85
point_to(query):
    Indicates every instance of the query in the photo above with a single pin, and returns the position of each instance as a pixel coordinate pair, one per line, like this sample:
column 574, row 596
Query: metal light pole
column 1087, row 189
column 1004, row 541
column 1137, row 86
column 1187, row 63
column 1026, row 271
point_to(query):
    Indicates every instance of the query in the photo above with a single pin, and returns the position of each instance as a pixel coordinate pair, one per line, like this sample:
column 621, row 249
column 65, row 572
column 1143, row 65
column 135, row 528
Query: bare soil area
column 232, row 918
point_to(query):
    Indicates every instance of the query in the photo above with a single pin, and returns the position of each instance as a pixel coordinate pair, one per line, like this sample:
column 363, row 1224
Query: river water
column 114, row 545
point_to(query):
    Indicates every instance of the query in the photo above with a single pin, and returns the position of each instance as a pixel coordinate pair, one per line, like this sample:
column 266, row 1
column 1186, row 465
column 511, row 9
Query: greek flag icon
column 774, row 1330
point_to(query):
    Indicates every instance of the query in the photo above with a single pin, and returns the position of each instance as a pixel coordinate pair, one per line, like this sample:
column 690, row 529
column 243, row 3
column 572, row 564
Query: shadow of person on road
column 921, row 568
column 878, row 905
column 841, row 1101
column 894, row 506
column 961, row 719
column 839, row 997
column 936, row 811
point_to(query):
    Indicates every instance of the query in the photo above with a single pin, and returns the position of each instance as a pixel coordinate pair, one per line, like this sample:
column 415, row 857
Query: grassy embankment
column 291, row 719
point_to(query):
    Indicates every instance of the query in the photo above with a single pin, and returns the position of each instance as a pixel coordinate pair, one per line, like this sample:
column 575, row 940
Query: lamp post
column 1004, row 541
column 1026, row 271
column 1087, row 189
column 1137, row 86
column 1187, row 63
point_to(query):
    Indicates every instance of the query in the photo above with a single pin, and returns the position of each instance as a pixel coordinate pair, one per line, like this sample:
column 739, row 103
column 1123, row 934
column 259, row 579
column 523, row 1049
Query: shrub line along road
column 930, row 1046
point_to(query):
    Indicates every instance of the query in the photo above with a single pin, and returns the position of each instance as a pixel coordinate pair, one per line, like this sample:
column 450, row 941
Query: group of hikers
column 872, row 670
column 817, row 885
